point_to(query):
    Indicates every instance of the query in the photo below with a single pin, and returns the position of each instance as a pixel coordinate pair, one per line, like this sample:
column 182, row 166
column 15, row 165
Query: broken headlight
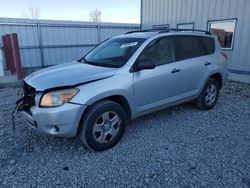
column 58, row 98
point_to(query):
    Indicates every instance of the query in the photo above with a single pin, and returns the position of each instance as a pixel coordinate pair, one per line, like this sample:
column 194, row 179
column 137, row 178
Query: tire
column 209, row 95
column 103, row 125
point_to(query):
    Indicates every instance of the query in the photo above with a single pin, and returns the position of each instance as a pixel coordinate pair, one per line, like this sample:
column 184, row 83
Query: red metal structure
column 16, row 56
column 8, row 53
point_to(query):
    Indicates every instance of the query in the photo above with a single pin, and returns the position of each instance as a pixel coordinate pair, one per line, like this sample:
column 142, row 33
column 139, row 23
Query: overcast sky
column 123, row 11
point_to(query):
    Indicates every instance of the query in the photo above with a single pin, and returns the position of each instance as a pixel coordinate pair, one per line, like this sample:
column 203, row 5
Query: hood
column 67, row 74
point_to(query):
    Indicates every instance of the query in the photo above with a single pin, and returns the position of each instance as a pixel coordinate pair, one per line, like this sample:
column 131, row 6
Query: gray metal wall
column 174, row 12
column 49, row 42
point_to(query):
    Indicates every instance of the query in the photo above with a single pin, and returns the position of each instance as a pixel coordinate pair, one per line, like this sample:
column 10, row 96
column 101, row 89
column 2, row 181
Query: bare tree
column 32, row 13
column 95, row 15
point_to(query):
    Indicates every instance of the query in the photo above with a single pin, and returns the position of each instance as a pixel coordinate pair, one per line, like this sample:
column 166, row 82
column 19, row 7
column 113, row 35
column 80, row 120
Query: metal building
column 49, row 42
column 228, row 19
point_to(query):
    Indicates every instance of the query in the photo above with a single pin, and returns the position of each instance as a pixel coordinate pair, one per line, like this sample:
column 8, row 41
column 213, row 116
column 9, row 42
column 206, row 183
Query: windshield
column 114, row 52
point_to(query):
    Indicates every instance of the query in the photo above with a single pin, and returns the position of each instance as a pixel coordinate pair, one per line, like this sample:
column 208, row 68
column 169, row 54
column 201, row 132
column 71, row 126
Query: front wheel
column 209, row 95
column 103, row 126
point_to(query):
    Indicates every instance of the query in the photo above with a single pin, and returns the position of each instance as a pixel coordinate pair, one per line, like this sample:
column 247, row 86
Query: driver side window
column 160, row 51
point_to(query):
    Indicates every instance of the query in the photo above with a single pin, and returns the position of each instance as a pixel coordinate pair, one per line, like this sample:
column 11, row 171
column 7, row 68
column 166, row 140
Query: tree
column 95, row 15
column 32, row 13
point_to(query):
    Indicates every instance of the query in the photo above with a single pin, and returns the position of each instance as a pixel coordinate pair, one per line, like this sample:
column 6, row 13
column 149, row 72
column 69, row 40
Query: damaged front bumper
column 60, row 121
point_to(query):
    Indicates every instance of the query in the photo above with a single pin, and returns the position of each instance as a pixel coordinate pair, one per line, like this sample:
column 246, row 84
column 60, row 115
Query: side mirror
column 145, row 64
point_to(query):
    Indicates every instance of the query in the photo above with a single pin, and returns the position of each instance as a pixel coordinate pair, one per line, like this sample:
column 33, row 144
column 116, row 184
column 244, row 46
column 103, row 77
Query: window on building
column 185, row 26
column 225, row 30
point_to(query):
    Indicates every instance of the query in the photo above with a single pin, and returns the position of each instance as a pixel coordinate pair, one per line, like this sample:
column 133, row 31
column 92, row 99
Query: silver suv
column 122, row 78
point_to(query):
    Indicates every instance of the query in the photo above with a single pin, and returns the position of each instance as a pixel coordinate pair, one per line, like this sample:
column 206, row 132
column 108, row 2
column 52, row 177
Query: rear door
column 194, row 63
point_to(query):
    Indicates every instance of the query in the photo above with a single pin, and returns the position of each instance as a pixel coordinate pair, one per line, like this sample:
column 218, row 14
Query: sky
column 119, row 11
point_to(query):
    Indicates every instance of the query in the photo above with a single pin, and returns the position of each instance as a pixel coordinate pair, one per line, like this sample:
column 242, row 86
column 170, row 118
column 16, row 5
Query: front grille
column 29, row 96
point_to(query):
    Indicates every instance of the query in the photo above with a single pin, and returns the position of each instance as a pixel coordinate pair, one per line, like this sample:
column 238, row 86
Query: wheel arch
column 120, row 99
column 217, row 76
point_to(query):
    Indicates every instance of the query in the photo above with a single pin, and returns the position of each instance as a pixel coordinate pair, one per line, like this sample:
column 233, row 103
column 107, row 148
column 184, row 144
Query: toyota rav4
column 121, row 79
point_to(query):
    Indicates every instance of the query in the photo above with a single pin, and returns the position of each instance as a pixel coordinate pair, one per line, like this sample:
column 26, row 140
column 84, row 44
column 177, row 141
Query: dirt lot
column 177, row 147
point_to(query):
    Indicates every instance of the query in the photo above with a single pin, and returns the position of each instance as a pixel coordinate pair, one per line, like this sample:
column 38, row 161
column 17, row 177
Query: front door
column 159, row 86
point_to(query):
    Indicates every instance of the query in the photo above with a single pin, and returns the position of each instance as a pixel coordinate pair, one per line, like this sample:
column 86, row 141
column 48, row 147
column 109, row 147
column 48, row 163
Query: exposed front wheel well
column 118, row 99
column 123, row 102
column 218, row 77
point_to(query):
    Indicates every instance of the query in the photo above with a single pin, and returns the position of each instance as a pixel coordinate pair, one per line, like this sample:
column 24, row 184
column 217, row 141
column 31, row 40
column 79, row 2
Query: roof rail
column 167, row 30
column 146, row 30
column 192, row 30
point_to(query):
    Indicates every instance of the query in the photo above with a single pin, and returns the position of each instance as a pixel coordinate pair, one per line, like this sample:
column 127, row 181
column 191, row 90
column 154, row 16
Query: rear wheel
column 209, row 95
column 103, row 126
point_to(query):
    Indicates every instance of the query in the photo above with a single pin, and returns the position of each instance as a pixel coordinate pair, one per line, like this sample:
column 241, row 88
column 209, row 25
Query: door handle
column 175, row 71
column 207, row 63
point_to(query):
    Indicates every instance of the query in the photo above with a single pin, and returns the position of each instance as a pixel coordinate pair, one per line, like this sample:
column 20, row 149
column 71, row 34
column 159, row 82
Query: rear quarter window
column 208, row 45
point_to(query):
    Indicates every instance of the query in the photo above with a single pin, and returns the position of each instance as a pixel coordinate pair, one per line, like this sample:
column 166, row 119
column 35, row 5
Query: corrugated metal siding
column 61, row 41
column 174, row 12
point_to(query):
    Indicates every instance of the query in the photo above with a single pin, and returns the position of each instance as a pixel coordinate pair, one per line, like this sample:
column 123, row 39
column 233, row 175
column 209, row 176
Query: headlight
column 58, row 98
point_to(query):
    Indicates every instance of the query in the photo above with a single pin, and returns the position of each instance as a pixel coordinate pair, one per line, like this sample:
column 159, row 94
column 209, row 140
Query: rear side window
column 208, row 45
column 188, row 47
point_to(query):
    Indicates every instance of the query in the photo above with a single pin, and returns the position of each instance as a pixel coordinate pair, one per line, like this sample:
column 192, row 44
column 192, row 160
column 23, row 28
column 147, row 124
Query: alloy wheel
column 211, row 94
column 106, row 127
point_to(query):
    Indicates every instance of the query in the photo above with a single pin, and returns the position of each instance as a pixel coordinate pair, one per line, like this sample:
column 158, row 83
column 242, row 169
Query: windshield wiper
column 83, row 60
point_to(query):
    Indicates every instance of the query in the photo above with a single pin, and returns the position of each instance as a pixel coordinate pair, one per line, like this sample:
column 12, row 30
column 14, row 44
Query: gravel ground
column 176, row 147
